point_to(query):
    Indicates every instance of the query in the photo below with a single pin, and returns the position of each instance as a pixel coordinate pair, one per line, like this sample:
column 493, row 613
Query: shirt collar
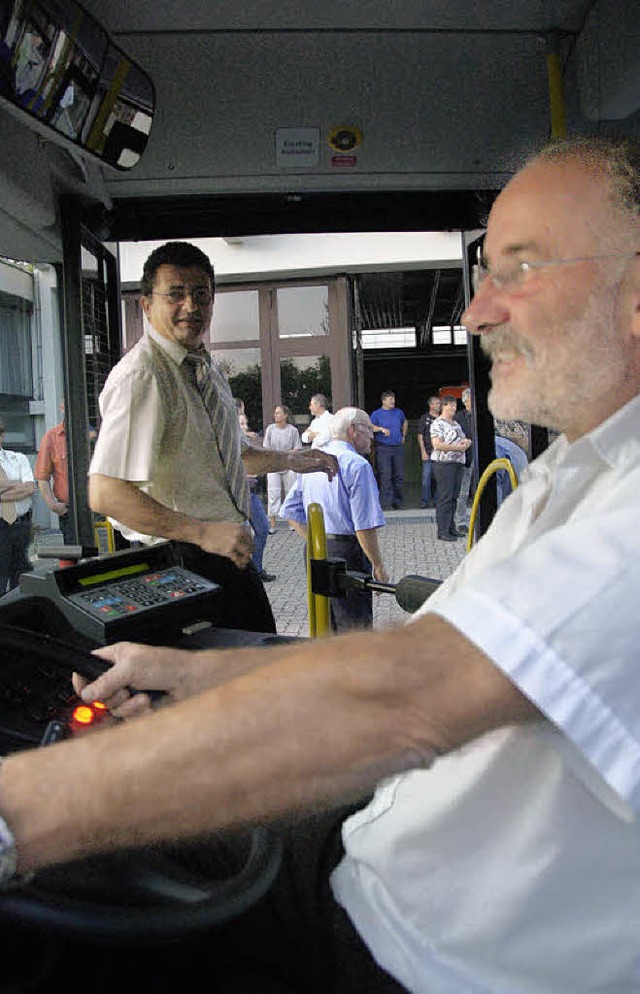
column 174, row 350
column 339, row 444
column 616, row 442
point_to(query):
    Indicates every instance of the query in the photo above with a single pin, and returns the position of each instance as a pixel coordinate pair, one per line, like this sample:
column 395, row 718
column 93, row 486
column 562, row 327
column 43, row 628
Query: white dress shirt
column 18, row 468
column 513, row 865
column 321, row 425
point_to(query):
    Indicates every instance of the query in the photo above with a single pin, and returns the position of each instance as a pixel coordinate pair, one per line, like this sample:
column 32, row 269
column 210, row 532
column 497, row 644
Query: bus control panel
column 138, row 595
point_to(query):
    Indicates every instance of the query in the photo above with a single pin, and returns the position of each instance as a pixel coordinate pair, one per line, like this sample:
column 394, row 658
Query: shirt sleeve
column 131, row 428
column 364, row 499
column 437, row 429
column 44, row 461
column 568, row 641
column 26, row 473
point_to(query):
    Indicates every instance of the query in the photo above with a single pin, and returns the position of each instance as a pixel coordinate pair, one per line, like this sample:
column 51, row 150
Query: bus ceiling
column 193, row 119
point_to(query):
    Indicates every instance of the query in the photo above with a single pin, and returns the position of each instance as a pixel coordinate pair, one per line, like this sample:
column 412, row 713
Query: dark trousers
column 426, row 495
column 356, row 609
column 297, row 939
column 245, row 604
column 447, row 476
column 390, row 466
column 260, row 525
column 14, row 543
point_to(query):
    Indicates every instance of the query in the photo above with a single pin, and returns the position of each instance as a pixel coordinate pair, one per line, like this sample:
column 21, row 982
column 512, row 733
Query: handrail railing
column 319, row 617
column 493, row 467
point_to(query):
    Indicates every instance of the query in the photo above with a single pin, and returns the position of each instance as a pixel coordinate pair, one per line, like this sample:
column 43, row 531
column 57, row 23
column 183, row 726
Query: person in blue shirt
column 352, row 513
column 390, row 428
column 506, row 449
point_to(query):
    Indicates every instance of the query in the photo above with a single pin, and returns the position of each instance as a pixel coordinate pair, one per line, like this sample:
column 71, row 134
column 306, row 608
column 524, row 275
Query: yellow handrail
column 319, row 619
column 557, row 105
column 103, row 536
column 492, row 468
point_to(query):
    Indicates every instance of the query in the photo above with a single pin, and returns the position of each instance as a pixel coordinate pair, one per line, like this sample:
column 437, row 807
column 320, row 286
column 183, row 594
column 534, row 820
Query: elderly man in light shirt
column 17, row 487
column 352, row 513
column 319, row 431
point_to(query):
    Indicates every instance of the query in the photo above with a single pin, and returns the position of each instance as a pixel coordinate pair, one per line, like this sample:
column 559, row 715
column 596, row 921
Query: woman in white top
column 284, row 437
column 449, row 446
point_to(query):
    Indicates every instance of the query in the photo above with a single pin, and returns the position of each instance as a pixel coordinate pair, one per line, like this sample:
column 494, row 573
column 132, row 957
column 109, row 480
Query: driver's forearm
column 127, row 503
column 323, row 724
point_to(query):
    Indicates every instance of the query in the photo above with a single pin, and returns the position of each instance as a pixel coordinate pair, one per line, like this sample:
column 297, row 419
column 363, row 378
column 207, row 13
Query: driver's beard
column 587, row 361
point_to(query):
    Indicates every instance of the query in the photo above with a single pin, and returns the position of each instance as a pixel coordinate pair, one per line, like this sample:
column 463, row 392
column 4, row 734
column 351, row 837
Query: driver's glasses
column 513, row 274
column 200, row 295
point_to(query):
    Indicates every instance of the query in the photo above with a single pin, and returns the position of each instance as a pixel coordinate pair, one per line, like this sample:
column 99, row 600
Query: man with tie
column 17, row 487
column 169, row 461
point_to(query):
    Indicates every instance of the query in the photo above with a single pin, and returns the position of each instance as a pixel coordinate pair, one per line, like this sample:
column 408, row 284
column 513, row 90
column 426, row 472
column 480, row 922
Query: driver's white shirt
column 513, row 865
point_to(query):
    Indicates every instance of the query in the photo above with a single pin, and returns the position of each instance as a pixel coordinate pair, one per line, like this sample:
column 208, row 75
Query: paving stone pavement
column 408, row 543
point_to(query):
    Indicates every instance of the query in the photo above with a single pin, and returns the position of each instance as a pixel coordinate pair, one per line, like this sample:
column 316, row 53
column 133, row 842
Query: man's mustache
column 505, row 340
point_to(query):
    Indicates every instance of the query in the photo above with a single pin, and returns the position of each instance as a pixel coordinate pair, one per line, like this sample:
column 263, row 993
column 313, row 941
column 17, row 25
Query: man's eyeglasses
column 513, row 275
column 200, row 295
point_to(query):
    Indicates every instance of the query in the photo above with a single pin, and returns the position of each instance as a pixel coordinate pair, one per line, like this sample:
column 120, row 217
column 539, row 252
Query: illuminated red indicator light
column 83, row 715
column 99, row 706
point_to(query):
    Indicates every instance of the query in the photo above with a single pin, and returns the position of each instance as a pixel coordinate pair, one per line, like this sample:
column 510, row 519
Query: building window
column 236, row 317
column 389, row 338
column 300, row 378
column 444, row 334
column 303, row 311
column 16, row 377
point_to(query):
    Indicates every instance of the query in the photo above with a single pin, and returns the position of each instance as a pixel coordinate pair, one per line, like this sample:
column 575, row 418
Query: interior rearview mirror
column 59, row 66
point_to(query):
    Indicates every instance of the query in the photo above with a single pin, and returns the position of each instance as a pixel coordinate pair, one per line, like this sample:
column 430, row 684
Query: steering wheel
column 139, row 894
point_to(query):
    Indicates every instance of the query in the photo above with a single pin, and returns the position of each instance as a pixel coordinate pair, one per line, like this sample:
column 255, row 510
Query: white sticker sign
column 297, row 147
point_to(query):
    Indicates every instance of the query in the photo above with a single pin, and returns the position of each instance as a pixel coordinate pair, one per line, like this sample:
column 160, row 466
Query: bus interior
column 128, row 123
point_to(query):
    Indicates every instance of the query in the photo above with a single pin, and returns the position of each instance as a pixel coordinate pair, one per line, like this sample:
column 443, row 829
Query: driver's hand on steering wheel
column 136, row 668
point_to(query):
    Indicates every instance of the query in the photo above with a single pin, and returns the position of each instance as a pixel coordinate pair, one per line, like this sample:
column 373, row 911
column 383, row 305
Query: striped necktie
column 7, row 507
column 212, row 388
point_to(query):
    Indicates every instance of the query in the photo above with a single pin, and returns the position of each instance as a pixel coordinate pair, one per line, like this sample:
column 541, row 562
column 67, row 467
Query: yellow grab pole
column 557, row 107
column 492, row 468
column 319, row 621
